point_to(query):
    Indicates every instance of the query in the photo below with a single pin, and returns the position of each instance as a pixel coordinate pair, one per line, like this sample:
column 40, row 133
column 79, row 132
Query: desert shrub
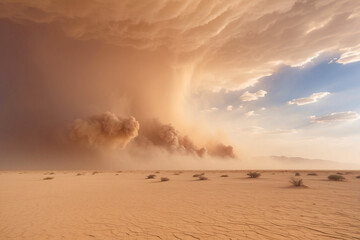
column 312, row 174
column 79, row 174
column 335, row 177
column 225, row 175
column 48, row 178
column 196, row 175
column 164, row 179
column 297, row 174
column 95, row 173
column 339, row 173
column 297, row 182
column 157, row 172
column 202, row 178
column 151, row 176
column 49, row 173
column 357, row 176
column 253, row 174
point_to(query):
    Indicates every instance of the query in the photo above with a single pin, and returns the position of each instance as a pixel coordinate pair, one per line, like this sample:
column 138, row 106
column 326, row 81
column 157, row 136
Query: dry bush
column 312, row 174
column 49, row 173
column 335, row 177
column 225, row 175
column 48, row 178
column 95, row 173
column 157, row 172
column 297, row 174
column 339, row 173
column 79, row 174
column 164, row 179
column 357, row 176
column 196, row 175
column 297, row 182
column 151, row 176
column 253, row 174
column 202, row 178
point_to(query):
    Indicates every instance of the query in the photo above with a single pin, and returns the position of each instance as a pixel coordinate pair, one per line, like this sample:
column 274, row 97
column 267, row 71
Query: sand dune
column 129, row 206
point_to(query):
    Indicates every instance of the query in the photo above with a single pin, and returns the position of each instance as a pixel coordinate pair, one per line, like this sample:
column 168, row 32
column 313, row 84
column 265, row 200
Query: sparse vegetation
column 48, row 178
column 254, row 174
column 202, row 178
column 312, row 174
column 164, row 179
column 339, row 173
column 297, row 174
column 297, row 182
column 357, row 176
column 49, row 173
column 151, row 176
column 79, row 174
column 95, row 173
column 196, row 175
column 225, row 175
column 157, row 172
column 336, row 177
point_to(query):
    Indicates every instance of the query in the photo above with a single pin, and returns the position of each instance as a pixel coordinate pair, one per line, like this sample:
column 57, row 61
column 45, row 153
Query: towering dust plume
column 105, row 130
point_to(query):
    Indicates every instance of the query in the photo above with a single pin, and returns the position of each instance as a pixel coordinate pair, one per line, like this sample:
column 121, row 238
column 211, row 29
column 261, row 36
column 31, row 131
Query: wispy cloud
column 336, row 117
column 248, row 96
column 260, row 130
column 310, row 99
column 213, row 109
column 250, row 114
column 229, row 108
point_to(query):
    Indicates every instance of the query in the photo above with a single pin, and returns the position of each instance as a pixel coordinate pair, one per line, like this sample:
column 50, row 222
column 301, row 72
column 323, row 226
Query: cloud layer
column 237, row 41
column 310, row 99
column 336, row 117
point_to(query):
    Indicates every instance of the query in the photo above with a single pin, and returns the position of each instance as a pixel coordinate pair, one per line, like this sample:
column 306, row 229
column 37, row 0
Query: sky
column 178, row 84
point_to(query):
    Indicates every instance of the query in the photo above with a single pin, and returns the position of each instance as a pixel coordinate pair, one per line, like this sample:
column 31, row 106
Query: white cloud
column 336, row 117
column 250, row 114
column 260, row 130
column 248, row 96
column 262, row 109
column 240, row 107
column 213, row 109
column 229, row 108
column 310, row 99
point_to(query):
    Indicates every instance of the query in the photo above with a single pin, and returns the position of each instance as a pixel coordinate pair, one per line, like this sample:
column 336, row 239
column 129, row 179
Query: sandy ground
column 128, row 206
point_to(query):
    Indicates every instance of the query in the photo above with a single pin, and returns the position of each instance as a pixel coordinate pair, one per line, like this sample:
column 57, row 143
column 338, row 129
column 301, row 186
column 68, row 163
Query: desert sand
column 126, row 205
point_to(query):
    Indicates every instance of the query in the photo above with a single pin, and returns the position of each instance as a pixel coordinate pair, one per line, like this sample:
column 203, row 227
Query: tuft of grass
column 297, row 182
column 203, row 178
column 253, row 174
column 151, row 176
column 312, row 174
column 164, row 179
column 157, row 172
column 95, row 173
column 79, row 174
column 297, row 174
column 196, row 175
column 225, row 175
column 48, row 178
column 335, row 177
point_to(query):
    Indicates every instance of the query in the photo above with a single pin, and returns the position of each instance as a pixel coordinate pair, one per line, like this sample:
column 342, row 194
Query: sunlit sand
column 127, row 205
